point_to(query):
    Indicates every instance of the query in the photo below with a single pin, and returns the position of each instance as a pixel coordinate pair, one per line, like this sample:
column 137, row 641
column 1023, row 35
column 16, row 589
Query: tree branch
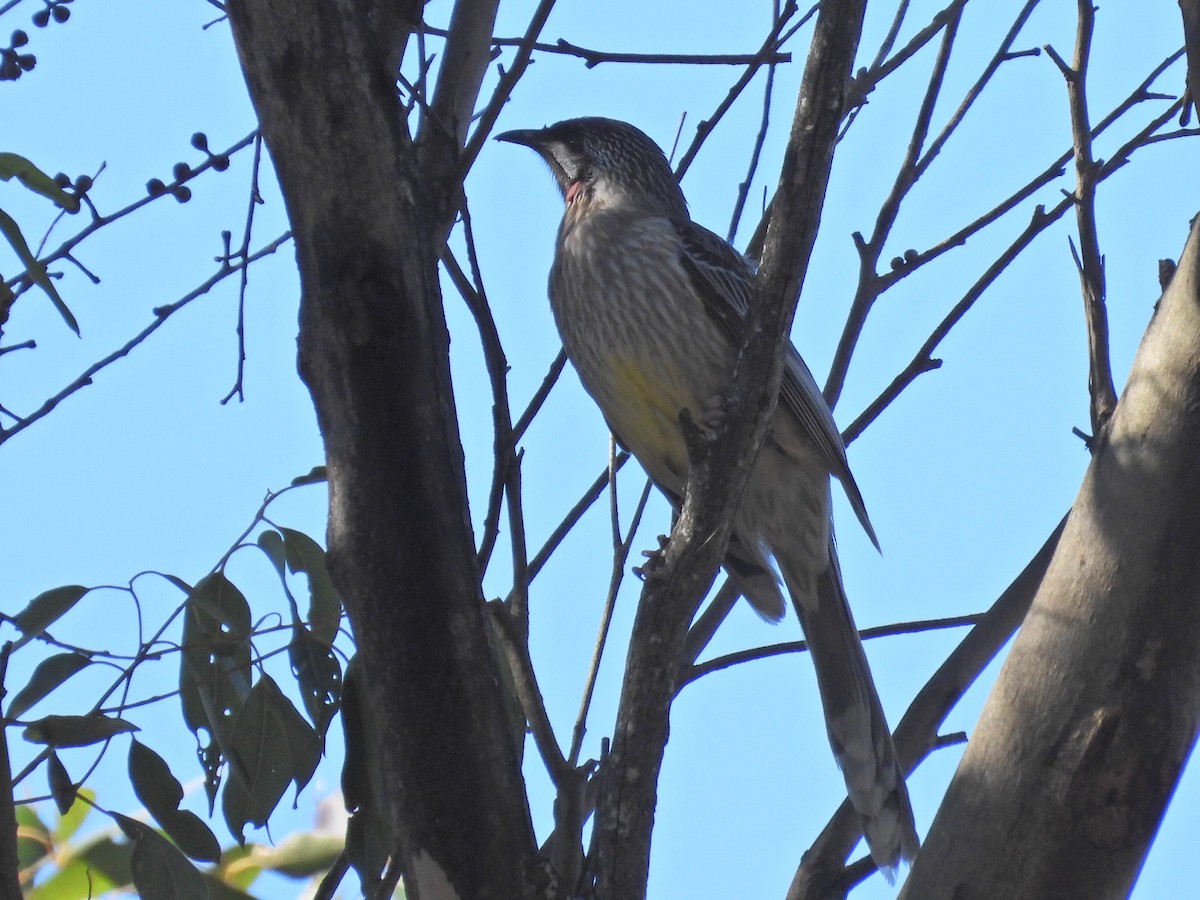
column 1097, row 707
column 1088, row 260
column 719, row 473
column 374, row 352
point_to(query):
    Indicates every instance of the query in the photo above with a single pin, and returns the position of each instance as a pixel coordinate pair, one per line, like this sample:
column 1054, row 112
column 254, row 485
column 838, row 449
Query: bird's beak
column 527, row 137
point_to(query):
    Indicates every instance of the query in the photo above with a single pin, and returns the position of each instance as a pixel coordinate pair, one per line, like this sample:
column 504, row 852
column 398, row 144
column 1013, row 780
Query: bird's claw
column 654, row 559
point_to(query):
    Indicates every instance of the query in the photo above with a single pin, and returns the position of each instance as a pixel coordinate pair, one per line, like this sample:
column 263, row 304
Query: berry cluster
column 182, row 172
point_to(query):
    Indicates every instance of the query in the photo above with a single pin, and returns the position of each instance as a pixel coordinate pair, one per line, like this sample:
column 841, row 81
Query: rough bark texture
column 374, row 354
column 625, row 815
column 1083, row 738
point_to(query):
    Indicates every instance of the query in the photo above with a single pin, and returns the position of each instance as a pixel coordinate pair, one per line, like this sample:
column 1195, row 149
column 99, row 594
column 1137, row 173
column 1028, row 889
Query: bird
column 651, row 309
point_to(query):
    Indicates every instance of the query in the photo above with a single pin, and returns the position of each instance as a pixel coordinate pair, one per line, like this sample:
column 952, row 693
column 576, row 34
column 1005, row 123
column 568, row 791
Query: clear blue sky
column 964, row 476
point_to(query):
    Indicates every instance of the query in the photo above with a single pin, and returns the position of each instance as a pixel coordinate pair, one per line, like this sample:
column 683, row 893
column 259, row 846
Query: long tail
column 858, row 730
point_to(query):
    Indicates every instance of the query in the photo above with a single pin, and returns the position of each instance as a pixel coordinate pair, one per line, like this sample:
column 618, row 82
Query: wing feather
column 724, row 279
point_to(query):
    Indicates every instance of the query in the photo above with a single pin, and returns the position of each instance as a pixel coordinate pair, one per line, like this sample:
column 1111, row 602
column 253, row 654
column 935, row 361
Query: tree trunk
column 1084, row 736
column 368, row 224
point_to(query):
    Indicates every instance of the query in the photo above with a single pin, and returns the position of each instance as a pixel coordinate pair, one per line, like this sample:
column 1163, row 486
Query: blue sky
column 964, row 475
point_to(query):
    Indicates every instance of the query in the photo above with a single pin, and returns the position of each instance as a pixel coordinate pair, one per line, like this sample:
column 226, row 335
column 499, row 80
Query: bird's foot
column 654, row 559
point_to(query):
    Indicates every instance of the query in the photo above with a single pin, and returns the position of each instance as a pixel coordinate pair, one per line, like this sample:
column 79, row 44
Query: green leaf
column 161, row 793
column 33, row 837
column 152, row 780
column 36, row 180
column 272, row 747
column 62, row 788
column 33, row 267
column 69, row 822
column 45, row 609
column 302, row 855
column 75, row 731
column 49, row 674
column 97, row 868
column 271, row 543
column 325, row 605
column 214, row 672
column 192, row 836
column 319, row 675
column 160, row 871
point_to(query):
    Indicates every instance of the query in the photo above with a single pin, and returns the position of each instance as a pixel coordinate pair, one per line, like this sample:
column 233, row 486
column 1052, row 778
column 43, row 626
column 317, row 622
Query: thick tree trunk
column 368, row 226
column 1084, row 736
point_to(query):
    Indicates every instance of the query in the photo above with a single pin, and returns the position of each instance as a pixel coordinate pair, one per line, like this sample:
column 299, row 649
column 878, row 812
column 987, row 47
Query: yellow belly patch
column 644, row 410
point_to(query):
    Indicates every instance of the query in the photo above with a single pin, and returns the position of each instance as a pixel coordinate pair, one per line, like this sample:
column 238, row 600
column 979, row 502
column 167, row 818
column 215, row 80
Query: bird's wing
column 724, row 279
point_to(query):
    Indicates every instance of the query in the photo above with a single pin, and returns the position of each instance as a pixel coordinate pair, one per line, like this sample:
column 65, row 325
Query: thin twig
column 540, row 395
column 516, row 653
column 593, row 58
column 923, row 360
column 161, row 314
column 255, row 200
column 620, row 557
column 920, row 626
column 573, row 515
column 770, row 46
column 756, row 153
column 508, row 81
column 916, row 161
column 1089, row 262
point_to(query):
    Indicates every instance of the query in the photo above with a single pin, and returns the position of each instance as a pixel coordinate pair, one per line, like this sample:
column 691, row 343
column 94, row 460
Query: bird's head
column 605, row 163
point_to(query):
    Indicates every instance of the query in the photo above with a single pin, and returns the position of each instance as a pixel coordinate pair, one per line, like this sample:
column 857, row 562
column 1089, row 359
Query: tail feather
column 858, row 730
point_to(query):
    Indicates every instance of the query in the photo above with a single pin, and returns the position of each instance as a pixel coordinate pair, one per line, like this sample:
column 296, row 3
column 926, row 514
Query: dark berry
column 182, row 194
column 155, row 187
column 61, row 179
column 19, row 38
column 83, row 183
column 41, row 18
column 182, row 171
column 220, row 163
column 61, row 14
column 200, row 141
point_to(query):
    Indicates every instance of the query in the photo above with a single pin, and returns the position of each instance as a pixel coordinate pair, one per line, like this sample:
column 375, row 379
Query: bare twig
column 770, row 46
column 710, row 620
column 1191, row 38
column 508, row 81
column 756, row 153
column 919, row 626
column 162, row 313
column 238, row 389
column 1088, row 260
column 218, row 161
column 893, row 31
column 863, row 83
column 516, row 653
column 620, row 557
column 917, row 160
column 923, row 361
column 573, row 515
column 593, row 58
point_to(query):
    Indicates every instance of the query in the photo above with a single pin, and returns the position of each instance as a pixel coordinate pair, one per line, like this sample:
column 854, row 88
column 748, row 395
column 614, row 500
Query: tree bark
column 1085, row 734
column 374, row 352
